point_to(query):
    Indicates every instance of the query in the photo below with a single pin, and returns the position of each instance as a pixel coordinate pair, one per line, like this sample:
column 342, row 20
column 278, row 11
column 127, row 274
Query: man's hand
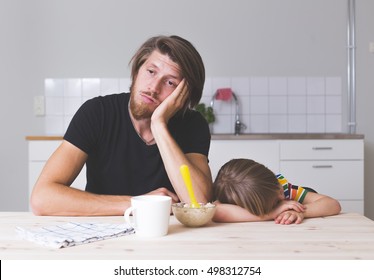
column 165, row 192
column 172, row 104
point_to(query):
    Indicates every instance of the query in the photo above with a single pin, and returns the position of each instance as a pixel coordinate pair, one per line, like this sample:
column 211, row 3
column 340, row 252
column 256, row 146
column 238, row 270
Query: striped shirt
column 292, row 192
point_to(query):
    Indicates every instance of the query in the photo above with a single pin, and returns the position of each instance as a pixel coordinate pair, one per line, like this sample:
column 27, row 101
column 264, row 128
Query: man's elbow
column 337, row 208
column 38, row 204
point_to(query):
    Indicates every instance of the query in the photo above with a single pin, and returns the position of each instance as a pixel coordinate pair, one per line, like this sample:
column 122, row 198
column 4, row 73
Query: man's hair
column 183, row 53
column 248, row 184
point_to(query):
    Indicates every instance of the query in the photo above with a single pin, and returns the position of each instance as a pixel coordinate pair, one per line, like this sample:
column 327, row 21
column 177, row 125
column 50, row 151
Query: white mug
column 151, row 215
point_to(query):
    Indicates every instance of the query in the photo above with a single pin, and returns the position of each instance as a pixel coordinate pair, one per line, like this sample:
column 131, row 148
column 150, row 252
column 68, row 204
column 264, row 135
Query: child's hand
column 286, row 205
column 289, row 217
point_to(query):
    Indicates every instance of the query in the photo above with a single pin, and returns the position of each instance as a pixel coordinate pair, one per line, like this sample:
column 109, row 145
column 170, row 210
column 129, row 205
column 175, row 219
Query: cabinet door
column 339, row 179
column 42, row 150
column 342, row 180
column 39, row 153
column 34, row 171
column 352, row 206
column 321, row 149
column 263, row 151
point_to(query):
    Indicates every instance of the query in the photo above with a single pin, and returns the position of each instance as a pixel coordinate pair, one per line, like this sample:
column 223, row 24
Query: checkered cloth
column 72, row 234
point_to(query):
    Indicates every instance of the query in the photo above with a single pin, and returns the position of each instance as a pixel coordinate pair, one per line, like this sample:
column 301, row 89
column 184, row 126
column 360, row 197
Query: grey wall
column 95, row 38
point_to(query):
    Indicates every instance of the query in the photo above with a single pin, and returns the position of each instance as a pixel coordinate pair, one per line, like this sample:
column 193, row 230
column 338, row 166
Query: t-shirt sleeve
column 292, row 191
column 85, row 126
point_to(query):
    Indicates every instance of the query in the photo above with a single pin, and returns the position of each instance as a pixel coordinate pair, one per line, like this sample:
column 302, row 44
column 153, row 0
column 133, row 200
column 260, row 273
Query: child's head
column 248, row 184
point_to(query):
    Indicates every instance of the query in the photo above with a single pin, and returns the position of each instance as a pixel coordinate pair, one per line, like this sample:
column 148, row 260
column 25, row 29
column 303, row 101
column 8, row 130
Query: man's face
column 157, row 79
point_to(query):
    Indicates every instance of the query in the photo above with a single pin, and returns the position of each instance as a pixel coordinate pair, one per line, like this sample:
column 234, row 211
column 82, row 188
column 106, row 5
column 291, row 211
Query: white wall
column 95, row 38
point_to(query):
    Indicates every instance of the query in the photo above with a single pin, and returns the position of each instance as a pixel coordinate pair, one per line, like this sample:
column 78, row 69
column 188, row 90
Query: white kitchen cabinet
column 334, row 167
column 39, row 153
column 331, row 167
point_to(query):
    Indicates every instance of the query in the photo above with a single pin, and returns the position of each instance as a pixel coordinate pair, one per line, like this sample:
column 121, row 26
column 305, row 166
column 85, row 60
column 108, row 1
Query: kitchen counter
column 253, row 136
column 286, row 136
column 347, row 236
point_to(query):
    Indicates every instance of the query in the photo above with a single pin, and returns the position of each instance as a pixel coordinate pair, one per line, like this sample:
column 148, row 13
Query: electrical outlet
column 39, row 105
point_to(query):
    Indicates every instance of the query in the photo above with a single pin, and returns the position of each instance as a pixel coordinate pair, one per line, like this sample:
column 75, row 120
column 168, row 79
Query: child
column 247, row 191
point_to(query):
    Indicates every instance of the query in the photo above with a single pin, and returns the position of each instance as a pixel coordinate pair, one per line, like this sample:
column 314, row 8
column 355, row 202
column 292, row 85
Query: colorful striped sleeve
column 292, row 192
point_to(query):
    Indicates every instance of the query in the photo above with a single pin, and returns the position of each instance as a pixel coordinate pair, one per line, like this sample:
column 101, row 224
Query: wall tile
column 109, row 86
column 315, row 86
column 54, row 105
column 333, row 86
column 334, row 123
column 73, row 87
column 54, row 87
column 278, row 123
column 240, row 86
column 315, row 105
column 245, row 120
column 259, row 124
column 208, row 90
column 90, row 87
column 259, row 86
column 244, row 107
column 54, row 125
column 315, row 123
column 224, row 107
column 71, row 105
column 259, row 104
column 267, row 104
column 278, row 105
column 334, row 104
column 296, row 85
column 297, row 104
column 124, row 85
column 278, row 86
column 222, row 124
column 297, row 123
column 220, row 82
column 66, row 122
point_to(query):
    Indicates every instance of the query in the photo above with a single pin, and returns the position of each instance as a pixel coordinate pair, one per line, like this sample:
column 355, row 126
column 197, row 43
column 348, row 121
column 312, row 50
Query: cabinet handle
column 322, row 166
column 322, row 148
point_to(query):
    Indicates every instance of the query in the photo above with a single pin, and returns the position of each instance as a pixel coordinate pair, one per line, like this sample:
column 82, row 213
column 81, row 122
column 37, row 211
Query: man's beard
column 139, row 111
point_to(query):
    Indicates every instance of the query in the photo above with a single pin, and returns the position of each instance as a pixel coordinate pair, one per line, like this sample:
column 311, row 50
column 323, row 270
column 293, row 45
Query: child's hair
column 248, row 184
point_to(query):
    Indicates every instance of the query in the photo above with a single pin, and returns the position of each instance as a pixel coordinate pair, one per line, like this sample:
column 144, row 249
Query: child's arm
column 229, row 213
column 316, row 205
column 319, row 205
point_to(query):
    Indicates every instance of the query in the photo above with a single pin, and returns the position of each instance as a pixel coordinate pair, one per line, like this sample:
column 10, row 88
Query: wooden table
column 346, row 236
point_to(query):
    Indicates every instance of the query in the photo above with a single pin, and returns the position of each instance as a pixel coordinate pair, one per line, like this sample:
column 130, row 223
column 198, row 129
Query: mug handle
column 127, row 215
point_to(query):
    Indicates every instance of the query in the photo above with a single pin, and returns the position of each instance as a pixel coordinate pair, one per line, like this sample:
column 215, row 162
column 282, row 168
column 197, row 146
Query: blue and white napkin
column 72, row 234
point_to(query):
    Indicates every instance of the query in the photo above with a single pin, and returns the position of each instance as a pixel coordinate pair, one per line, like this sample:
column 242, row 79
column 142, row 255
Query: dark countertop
column 253, row 136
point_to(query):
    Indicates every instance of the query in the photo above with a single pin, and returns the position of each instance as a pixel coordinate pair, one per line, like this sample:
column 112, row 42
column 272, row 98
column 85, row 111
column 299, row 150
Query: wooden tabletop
column 346, row 236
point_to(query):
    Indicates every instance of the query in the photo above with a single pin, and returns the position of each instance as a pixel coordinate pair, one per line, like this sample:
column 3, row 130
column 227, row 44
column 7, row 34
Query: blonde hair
column 248, row 184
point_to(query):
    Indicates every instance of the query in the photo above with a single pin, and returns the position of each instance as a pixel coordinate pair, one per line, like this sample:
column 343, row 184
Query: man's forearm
column 60, row 200
column 173, row 158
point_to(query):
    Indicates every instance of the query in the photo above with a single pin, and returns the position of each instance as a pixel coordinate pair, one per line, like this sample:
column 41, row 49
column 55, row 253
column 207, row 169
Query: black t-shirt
column 119, row 162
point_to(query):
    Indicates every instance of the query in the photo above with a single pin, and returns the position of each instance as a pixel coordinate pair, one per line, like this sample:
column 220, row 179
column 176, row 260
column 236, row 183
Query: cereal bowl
column 192, row 216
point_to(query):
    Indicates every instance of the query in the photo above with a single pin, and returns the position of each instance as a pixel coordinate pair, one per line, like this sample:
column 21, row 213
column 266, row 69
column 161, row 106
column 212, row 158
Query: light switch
column 39, row 105
column 371, row 47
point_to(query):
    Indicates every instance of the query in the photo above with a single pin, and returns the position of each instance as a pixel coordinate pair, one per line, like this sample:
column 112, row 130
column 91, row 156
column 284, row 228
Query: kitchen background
column 266, row 104
column 286, row 60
